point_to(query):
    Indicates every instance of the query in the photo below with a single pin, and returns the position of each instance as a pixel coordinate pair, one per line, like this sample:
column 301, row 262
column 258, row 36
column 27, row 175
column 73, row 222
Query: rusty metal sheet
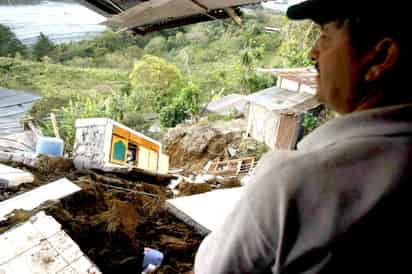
column 158, row 11
column 154, row 11
column 219, row 4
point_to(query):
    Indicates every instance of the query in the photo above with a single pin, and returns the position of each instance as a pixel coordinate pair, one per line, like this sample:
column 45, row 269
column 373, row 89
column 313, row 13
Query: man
column 340, row 203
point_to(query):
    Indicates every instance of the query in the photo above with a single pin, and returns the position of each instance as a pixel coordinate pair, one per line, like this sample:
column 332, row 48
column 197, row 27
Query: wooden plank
column 54, row 124
column 287, row 131
column 37, row 131
column 231, row 12
column 163, row 164
column 121, row 132
column 153, row 160
column 144, row 142
column 143, row 161
column 13, row 177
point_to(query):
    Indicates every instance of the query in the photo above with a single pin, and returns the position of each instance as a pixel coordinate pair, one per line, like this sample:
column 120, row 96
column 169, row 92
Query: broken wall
column 89, row 147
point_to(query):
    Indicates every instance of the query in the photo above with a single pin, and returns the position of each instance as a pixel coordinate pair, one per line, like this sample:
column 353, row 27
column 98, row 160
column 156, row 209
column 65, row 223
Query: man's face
column 339, row 69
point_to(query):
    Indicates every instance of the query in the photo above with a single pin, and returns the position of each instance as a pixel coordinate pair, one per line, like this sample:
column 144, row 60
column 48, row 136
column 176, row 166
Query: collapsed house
column 102, row 143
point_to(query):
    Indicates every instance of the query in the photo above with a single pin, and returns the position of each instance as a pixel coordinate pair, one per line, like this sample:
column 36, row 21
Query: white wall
column 263, row 125
column 294, row 86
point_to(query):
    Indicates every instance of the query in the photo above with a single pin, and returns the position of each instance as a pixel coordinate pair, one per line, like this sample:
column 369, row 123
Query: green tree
column 156, row 46
column 9, row 44
column 251, row 80
column 43, row 47
column 185, row 105
column 298, row 38
column 156, row 79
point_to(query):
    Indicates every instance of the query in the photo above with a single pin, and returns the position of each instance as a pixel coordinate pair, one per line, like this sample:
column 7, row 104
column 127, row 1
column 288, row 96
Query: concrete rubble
column 39, row 245
column 13, row 177
column 205, row 211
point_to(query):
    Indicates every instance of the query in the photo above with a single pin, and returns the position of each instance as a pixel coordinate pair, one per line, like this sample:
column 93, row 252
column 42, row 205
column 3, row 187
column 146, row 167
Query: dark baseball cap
column 322, row 11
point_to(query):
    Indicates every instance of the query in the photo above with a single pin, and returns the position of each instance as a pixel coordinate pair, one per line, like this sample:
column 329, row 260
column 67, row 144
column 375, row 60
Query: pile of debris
column 111, row 219
column 115, row 208
column 191, row 147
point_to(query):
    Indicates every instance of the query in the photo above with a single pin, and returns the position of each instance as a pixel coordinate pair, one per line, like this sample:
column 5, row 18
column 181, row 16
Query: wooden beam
column 34, row 129
column 232, row 13
column 54, row 124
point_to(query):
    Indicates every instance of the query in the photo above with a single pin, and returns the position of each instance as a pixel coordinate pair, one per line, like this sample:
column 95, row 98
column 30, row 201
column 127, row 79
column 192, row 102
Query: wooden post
column 54, row 124
column 34, row 129
column 232, row 13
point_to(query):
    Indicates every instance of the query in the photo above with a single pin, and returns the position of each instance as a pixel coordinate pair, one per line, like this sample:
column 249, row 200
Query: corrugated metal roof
column 278, row 99
column 228, row 103
column 10, row 98
column 304, row 76
column 14, row 106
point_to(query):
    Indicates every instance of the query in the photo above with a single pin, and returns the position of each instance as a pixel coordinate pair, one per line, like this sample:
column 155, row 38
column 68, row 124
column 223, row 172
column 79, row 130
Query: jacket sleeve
column 250, row 239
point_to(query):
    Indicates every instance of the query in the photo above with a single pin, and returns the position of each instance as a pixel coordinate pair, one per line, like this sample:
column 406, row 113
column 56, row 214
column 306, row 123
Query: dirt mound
column 186, row 189
column 191, row 147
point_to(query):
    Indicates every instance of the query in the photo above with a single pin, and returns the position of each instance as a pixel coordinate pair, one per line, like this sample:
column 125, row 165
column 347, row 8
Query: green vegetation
column 310, row 122
column 171, row 73
column 9, row 44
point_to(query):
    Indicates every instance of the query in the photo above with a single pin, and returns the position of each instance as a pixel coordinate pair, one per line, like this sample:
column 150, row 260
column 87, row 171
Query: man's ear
column 382, row 58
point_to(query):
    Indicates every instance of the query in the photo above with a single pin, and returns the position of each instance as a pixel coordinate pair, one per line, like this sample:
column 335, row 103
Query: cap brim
column 316, row 10
column 304, row 10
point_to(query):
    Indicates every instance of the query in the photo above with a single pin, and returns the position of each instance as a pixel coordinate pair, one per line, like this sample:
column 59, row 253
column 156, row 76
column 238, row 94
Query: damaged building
column 275, row 116
column 102, row 143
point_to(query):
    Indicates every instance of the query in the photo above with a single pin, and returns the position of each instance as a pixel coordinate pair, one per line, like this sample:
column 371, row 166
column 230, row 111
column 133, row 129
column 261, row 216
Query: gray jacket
column 340, row 204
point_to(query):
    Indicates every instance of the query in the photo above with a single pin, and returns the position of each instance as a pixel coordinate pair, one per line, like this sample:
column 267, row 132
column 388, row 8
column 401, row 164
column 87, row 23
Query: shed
column 13, row 106
column 275, row 116
column 102, row 143
column 295, row 79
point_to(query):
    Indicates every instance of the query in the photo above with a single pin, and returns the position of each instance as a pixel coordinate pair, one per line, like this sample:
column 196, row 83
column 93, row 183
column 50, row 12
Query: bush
column 310, row 123
column 156, row 46
column 43, row 47
column 9, row 44
column 173, row 114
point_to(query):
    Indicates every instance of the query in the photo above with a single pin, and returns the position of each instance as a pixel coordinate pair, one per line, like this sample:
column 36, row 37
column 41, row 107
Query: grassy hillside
column 188, row 66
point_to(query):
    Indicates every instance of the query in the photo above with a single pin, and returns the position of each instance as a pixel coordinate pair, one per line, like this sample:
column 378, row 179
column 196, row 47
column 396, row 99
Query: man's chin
column 318, row 95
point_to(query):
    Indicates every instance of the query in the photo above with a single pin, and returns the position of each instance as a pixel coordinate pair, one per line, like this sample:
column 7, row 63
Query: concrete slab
column 13, row 177
column 206, row 211
column 32, row 199
column 33, row 247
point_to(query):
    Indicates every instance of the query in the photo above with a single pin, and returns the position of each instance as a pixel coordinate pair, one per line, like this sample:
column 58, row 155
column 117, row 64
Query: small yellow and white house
column 102, row 143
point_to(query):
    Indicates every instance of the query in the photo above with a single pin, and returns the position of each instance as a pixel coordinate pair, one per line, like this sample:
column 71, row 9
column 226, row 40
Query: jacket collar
column 386, row 121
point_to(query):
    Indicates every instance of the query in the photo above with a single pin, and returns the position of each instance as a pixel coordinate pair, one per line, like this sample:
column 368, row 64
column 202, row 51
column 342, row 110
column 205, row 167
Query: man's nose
column 314, row 52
